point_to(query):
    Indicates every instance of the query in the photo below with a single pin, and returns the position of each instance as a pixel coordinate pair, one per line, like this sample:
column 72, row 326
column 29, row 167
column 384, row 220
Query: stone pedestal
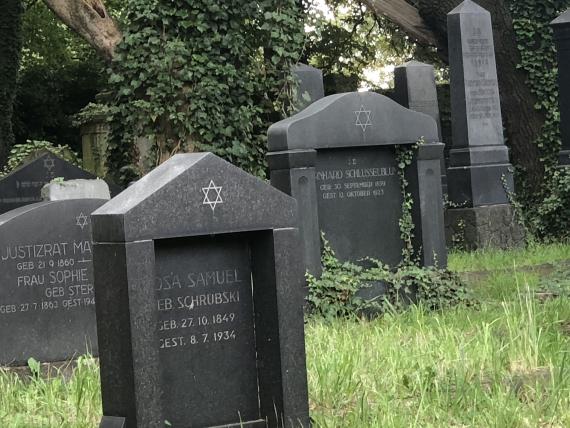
column 493, row 226
column 561, row 27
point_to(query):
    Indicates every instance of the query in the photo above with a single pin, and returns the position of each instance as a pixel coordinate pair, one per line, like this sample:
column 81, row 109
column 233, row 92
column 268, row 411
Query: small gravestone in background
column 311, row 86
column 47, row 304
column 199, row 287
column 338, row 159
column 415, row 88
column 561, row 26
column 23, row 186
column 480, row 174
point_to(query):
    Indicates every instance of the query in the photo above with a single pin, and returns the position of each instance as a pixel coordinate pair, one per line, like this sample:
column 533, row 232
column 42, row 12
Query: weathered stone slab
column 76, row 189
column 199, row 288
column 47, row 304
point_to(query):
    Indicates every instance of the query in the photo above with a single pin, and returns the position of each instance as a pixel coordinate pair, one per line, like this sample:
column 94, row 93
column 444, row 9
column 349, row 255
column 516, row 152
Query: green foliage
column 546, row 214
column 21, row 152
column 10, row 45
column 336, row 293
column 404, row 158
column 202, row 75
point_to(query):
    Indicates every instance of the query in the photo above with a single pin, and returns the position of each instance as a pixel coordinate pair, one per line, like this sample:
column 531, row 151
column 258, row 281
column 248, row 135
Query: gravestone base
column 491, row 226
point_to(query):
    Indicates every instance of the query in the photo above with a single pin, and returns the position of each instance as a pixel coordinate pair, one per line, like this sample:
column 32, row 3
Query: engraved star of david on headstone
column 208, row 191
column 49, row 163
column 82, row 220
column 363, row 118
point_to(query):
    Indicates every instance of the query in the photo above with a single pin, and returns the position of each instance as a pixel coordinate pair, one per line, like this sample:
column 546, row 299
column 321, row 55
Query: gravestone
column 338, row 159
column 479, row 174
column 561, row 27
column 415, row 88
column 199, row 290
column 23, row 186
column 311, row 86
column 47, row 304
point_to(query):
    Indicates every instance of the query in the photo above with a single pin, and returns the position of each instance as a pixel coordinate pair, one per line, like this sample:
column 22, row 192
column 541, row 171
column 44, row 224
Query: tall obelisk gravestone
column 561, row 26
column 479, row 175
column 415, row 89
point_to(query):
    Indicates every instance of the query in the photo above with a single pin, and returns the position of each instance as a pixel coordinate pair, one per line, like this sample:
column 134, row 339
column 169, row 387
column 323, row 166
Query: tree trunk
column 10, row 51
column 89, row 19
column 522, row 121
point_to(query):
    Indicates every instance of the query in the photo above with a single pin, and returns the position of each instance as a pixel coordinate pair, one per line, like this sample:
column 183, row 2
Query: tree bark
column 405, row 16
column 89, row 19
column 521, row 120
column 10, row 54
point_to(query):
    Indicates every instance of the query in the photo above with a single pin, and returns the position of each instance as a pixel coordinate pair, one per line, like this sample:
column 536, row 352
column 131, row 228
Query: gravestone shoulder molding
column 155, row 205
column 351, row 119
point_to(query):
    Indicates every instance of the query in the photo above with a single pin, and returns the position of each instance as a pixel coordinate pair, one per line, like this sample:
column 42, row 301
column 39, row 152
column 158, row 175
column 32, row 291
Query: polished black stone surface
column 199, row 287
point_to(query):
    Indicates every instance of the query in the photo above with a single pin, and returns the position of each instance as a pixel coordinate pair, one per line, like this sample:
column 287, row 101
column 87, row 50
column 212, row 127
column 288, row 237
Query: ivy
column 404, row 158
column 10, row 47
column 549, row 217
column 202, row 76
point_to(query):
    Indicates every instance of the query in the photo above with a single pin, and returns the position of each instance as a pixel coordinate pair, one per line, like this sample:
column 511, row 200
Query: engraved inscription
column 55, row 274
column 354, row 182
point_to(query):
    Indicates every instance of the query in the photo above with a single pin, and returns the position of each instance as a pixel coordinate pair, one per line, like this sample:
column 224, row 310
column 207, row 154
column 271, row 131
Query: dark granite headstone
column 338, row 159
column 311, row 85
column 47, row 304
column 415, row 88
column 479, row 159
column 561, row 26
column 23, row 186
column 479, row 173
column 199, row 289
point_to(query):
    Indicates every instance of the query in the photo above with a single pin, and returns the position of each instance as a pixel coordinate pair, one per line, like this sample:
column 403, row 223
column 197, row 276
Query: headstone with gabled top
column 23, row 185
column 199, row 290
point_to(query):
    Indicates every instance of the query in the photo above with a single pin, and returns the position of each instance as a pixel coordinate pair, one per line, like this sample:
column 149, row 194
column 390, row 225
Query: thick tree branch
column 405, row 16
column 89, row 18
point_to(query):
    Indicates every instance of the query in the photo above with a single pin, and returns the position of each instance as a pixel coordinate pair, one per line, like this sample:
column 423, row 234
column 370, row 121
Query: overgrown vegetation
column 20, row 152
column 547, row 214
column 338, row 292
column 202, row 75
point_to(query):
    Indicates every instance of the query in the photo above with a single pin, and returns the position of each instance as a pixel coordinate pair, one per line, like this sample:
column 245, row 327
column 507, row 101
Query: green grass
column 482, row 260
column 502, row 363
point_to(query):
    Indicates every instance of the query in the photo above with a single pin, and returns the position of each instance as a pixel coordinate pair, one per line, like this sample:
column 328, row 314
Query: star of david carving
column 212, row 195
column 82, row 220
column 49, row 163
column 363, row 118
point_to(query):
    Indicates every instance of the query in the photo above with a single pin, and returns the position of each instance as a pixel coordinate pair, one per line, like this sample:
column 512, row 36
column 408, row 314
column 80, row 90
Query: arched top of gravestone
column 350, row 120
column 469, row 7
column 191, row 195
column 50, row 213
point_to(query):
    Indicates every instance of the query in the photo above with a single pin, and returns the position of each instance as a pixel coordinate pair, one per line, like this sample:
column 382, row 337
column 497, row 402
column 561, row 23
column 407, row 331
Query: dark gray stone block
column 47, row 305
column 415, row 88
column 561, row 27
column 23, row 186
column 350, row 189
column 478, row 140
column 200, row 286
column 311, row 85
column 493, row 226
